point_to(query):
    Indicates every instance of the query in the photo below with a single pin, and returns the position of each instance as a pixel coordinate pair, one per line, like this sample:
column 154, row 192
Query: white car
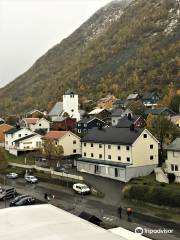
column 12, row 175
column 31, row 179
column 81, row 188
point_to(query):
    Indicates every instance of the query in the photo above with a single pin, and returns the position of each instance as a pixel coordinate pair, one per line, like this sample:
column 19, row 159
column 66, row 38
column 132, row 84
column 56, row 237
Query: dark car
column 17, row 199
column 7, row 193
column 25, row 201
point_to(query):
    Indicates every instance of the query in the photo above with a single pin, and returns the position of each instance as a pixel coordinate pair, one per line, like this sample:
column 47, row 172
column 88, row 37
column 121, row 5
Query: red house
column 63, row 124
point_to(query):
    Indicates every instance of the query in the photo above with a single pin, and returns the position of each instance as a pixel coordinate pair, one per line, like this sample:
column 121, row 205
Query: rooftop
column 46, row 222
column 175, row 145
column 125, row 122
column 113, row 135
column 96, row 111
column 31, row 120
column 57, row 109
column 55, row 135
column 158, row 111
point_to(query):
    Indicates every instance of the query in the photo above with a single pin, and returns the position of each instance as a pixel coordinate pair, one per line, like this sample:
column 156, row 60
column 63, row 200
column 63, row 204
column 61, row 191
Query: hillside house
column 173, row 159
column 176, row 120
column 84, row 125
column 160, row 111
column 150, row 99
column 133, row 97
column 3, row 128
column 35, row 124
column 107, row 102
column 134, row 121
column 100, row 113
column 118, row 153
column 63, row 124
column 118, row 114
column 35, row 114
column 68, row 140
column 17, row 140
column 119, row 103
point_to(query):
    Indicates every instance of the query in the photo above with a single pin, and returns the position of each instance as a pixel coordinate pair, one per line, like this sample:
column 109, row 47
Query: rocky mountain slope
column 129, row 45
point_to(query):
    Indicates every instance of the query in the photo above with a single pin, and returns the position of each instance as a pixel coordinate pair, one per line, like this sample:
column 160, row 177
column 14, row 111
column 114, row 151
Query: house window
column 91, row 144
column 118, row 147
column 127, row 147
column 119, row 158
column 92, row 155
column 19, row 135
column 74, row 151
column 151, row 157
column 40, row 125
column 79, row 124
column 84, row 154
column 79, row 130
column 151, row 146
column 72, row 110
column 145, row 135
column 100, row 155
column 84, row 144
column 128, row 159
column 176, row 168
column 109, row 146
column 74, row 142
column 109, row 156
column 85, row 124
column 116, row 172
column 100, row 145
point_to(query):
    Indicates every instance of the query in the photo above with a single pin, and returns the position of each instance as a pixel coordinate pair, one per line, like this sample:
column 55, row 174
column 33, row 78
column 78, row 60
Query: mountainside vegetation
column 129, row 45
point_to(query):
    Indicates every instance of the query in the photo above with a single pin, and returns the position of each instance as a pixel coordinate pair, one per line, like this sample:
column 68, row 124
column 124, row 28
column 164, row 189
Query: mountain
column 128, row 45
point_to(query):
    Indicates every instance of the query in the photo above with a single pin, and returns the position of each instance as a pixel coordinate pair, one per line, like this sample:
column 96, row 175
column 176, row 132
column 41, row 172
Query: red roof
column 55, row 135
column 31, row 120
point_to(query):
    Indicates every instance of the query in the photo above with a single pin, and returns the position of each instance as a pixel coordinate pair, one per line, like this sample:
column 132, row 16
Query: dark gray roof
column 24, row 138
column 175, row 145
column 86, row 120
column 125, row 122
column 69, row 92
column 104, row 162
column 158, row 111
column 12, row 130
column 148, row 95
column 118, row 112
column 119, row 101
column 123, row 136
column 56, row 110
column 82, row 112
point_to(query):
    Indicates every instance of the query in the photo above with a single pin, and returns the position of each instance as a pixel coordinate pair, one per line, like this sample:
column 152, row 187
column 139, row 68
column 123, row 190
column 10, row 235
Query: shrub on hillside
column 3, row 159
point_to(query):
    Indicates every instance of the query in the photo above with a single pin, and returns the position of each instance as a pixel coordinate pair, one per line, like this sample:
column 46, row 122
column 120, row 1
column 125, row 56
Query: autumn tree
column 137, row 107
column 3, row 159
column 52, row 152
column 163, row 129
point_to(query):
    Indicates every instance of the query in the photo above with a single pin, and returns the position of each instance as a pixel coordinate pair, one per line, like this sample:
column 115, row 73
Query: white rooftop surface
column 96, row 111
column 46, row 222
column 128, row 234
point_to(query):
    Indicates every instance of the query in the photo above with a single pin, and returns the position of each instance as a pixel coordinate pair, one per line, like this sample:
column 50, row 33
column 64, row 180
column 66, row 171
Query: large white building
column 118, row 153
column 71, row 104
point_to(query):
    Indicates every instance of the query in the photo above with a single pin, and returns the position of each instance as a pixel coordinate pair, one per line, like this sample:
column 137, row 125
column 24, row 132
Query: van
column 7, row 192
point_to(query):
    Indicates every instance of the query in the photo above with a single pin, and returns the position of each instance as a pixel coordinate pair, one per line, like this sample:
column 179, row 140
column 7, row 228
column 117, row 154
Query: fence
column 47, row 170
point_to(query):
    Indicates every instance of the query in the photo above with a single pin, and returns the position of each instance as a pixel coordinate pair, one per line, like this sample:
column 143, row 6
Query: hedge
column 153, row 194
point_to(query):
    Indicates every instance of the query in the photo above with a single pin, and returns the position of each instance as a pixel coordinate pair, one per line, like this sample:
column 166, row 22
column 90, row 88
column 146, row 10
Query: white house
column 118, row 153
column 71, row 104
column 35, row 124
column 119, row 114
column 173, row 159
column 28, row 143
column 68, row 140
column 21, row 139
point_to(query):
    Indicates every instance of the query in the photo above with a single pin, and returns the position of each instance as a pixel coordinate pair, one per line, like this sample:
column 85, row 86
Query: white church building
column 70, row 105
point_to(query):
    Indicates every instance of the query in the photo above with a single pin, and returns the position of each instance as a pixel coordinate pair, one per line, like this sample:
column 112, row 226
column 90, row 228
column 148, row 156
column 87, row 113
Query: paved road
column 65, row 198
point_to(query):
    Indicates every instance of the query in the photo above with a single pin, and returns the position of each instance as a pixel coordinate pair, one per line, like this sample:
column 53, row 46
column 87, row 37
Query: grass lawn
column 19, row 159
column 151, row 181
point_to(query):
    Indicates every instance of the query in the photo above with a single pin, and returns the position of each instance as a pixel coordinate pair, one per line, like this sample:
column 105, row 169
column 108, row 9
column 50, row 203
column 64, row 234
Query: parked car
column 12, row 175
column 7, row 193
column 17, row 199
column 81, row 188
column 31, row 179
column 25, row 201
